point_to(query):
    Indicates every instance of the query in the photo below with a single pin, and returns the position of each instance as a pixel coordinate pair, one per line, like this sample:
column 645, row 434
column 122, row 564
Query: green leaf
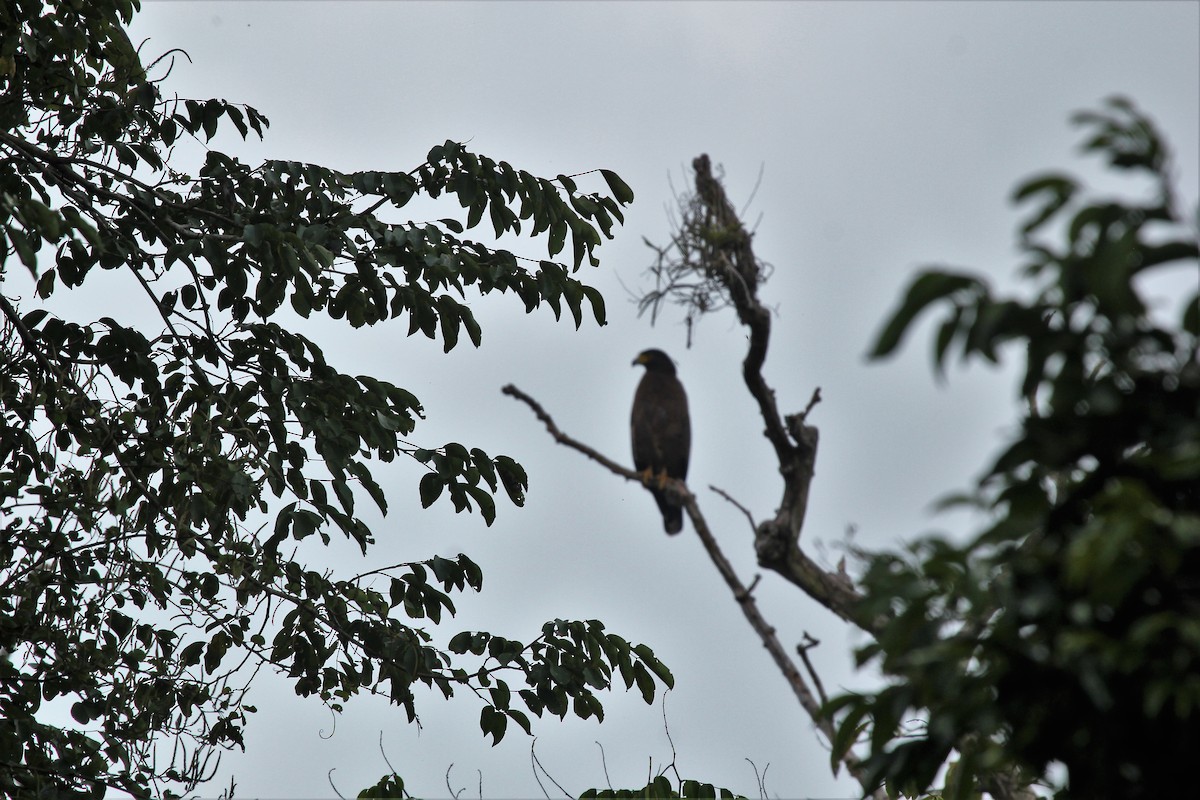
column 618, row 187
column 487, row 506
column 928, row 288
column 431, row 488
column 945, row 336
column 45, row 284
column 513, row 476
column 448, row 317
column 345, row 495
column 521, row 719
column 644, row 682
column 501, row 696
column 656, row 666
column 1058, row 189
column 848, row 729
column 81, row 712
column 597, row 300
column 368, row 482
column 567, row 183
column 21, row 243
column 190, row 655
column 472, row 572
column 474, row 332
column 214, row 653
column 461, row 643
column 493, row 723
column 304, row 524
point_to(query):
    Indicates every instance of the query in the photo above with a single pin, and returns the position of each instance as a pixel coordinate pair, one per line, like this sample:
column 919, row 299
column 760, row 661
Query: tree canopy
column 159, row 484
column 1067, row 631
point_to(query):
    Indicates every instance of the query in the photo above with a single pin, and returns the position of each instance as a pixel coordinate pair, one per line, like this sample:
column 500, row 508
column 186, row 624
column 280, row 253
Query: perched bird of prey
column 662, row 432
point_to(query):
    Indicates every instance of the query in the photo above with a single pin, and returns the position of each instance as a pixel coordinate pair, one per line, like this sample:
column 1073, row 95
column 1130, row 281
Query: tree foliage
column 661, row 788
column 1067, row 631
column 159, row 482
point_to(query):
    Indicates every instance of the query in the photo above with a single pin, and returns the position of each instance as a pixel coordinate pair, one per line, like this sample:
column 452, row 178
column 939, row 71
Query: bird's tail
column 672, row 519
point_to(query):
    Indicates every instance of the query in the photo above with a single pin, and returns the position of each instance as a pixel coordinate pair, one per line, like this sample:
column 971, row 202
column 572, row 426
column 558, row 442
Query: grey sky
column 889, row 135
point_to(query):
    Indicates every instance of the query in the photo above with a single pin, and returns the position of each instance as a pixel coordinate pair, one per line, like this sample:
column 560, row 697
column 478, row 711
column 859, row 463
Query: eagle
column 661, row 432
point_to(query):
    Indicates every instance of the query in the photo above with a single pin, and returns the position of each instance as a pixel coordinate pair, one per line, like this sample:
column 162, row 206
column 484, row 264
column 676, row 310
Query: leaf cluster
column 1067, row 630
column 562, row 669
column 661, row 787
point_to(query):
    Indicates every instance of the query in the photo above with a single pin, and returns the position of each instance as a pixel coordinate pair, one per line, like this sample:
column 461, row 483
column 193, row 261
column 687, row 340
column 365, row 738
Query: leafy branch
column 151, row 479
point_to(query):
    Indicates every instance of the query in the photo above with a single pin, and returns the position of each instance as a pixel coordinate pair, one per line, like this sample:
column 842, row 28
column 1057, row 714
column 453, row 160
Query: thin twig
column 737, row 505
column 667, row 730
column 329, row 778
column 386, row 760
column 449, row 788
column 802, row 650
column 816, row 398
column 604, row 765
column 321, row 731
column 533, row 765
column 759, row 779
column 575, row 444
column 538, row 765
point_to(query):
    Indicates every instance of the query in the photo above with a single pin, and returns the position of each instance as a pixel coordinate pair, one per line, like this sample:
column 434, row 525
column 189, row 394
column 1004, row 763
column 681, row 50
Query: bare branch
column 760, row 779
column 604, row 765
column 383, row 753
column 329, row 778
column 536, row 764
column 766, row 633
column 450, row 788
column 574, row 444
column 735, row 504
column 802, row 650
column 667, row 731
column 711, row 264
column 816, row 398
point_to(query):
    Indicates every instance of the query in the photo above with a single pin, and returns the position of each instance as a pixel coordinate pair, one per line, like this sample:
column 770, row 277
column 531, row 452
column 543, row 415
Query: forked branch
column 712, row 256
column 809, row 701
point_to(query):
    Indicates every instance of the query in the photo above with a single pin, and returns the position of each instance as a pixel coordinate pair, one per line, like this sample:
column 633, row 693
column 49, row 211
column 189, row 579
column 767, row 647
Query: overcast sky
column 888, row 136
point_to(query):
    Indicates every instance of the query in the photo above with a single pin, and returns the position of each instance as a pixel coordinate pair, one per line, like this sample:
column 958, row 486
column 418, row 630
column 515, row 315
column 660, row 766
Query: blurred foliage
column 1066, row 634
column 156, row 480
column 659, row 788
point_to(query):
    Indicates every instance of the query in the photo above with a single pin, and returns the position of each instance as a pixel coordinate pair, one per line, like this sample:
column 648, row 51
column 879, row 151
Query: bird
column 661, row 432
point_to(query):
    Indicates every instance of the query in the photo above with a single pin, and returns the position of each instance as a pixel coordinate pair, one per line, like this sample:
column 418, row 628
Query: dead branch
column 735, row 504
column 574, row 444
column 802, row 650
column 710, row 264
column 766, row 633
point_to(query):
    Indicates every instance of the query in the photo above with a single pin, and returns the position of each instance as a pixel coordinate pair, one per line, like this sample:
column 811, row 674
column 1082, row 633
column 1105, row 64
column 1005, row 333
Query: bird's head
column 655, row 361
